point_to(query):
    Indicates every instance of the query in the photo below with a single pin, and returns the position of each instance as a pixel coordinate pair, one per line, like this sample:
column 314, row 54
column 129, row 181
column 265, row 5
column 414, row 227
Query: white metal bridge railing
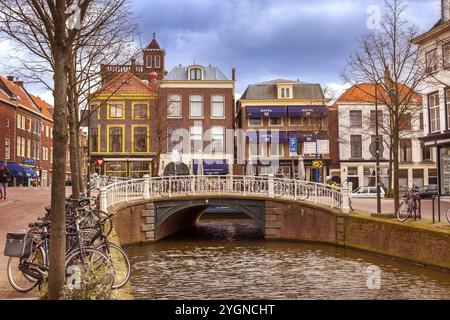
column 266, row 187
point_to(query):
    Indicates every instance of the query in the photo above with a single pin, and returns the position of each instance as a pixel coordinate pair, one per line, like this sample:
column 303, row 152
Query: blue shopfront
column 22, row 175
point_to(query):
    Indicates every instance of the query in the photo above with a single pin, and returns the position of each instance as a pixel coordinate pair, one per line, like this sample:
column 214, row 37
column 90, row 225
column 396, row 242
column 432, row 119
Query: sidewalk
column 24, row 206
column 387, row 205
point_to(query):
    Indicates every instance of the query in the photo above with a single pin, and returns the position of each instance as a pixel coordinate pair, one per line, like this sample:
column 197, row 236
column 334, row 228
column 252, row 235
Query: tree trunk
column 74, row 152
column 396, row 146
column 57, row 252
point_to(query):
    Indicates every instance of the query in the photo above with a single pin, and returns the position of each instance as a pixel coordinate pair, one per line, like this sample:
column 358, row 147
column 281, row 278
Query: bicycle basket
column 19, row 245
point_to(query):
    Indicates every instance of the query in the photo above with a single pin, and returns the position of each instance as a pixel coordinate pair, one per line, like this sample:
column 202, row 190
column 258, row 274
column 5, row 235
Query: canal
column 230, row 260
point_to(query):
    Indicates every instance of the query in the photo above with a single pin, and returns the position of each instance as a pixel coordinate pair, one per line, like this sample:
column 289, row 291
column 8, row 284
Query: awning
column 30, row 173
column 307, row 136
column 212, row 167
column 16, row 170
column 306, row 111
column 266, row 112
column 269, row 136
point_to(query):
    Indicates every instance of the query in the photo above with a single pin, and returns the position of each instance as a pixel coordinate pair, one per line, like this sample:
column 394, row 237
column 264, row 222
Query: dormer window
column 157, row 62
column 285, row 92
column 196, row 74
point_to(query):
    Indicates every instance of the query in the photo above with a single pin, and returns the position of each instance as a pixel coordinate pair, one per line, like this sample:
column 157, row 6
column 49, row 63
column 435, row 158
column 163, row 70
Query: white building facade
column 357, row 143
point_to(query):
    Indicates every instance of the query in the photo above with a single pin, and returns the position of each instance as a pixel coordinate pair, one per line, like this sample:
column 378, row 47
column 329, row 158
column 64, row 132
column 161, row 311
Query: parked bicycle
column 410, row 207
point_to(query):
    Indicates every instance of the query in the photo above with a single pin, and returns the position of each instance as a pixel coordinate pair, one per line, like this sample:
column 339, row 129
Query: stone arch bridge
column 151, row 209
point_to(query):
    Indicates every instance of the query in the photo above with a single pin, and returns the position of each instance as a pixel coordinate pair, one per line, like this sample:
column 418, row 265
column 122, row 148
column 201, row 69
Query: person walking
column 4, row 179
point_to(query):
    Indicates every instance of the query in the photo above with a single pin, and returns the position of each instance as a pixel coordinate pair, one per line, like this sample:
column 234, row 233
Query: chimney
column 154, row 35
column 10, row 78
column 19, row 83
column 233, row 74
column 387, row 78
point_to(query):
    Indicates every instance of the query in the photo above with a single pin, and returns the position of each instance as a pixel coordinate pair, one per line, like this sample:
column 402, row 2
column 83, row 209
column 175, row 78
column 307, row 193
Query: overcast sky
column 265, row 39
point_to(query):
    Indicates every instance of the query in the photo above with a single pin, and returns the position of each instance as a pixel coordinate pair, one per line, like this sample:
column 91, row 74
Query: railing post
column 170, row 186
column 295, row 190
column 97, row 181
column 126, row 192
column 146, row 187
column 271, row 187
column 103, row 200
column 345, row 200
column 316, row 192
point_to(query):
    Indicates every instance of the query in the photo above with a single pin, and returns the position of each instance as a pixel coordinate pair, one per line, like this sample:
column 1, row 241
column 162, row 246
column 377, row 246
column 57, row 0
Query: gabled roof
column 154, row 45
column 365, row 93
column 126, row 83
column 268, row 90
column 439, row 28
column 46, row 108
column 23, row 99
column 181, row 74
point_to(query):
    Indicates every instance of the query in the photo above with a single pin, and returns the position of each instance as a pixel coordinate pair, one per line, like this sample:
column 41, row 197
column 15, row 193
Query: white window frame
column 196, row 132
column 435, row 113
column 255, row 125
column 191, row 103
column 149, row 62
column 276, row 125
column 157, row 62
column 7, row 149
column 169, row 104
column 215, row 103
column 293, row 125
column 217, row 131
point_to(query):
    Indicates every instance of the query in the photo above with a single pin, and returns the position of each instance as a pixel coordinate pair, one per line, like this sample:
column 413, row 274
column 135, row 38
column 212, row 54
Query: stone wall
column 135, row 223
column 418, row 243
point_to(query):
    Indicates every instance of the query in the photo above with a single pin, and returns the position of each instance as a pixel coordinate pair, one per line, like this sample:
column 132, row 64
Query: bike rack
column 434, row 208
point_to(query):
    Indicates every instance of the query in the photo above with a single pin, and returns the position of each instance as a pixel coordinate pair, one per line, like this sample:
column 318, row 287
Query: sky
column 307, row 40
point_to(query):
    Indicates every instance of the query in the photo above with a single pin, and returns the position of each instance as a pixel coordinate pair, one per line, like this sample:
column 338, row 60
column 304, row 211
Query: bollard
column 146, row 187
column 345, row 200
column 103, row 200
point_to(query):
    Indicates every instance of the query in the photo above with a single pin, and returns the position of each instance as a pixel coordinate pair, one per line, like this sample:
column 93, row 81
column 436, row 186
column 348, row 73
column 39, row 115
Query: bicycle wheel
column 448, row 215
column 17, row 270
column 81, row 261
column 404, row 211
column 120, row 262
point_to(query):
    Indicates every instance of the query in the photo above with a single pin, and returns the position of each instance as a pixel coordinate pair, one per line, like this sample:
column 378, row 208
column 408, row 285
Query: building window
column 116, row 169
column 275, row 122
column 435, row 119
column 174, row 140
column 373, row 116
column 140, row 136
column 94, row 140
column 140, row 111
column 254, row 122
column 196, row 74
column 7, row 149
column 447, row 102
column 218, row 106
column 421, row 121
column 406, row 122
column 356, row 146
column 276, row 149
column 116, row 111
column 116, row 139
column 196, row 106
column 196, row 136
column 405, row 150
column 28, row 148
column 157, row 62
column 174, row 106
column 355, row 118
column 139, row 169
column 295, row 121
column 431, row 61
column 426, row 153
column 432, row 176
column 446, row 55
column 218, row 139
column 29, row 125
column 149, row 62
column 7, row 123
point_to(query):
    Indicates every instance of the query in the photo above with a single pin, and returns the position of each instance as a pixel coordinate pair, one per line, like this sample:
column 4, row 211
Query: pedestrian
column 4, row 180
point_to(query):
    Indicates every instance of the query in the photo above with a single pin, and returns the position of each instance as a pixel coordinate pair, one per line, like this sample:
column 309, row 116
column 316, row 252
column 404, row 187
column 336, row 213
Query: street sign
column 293, row 147
column 100, row 162
column 317, row 164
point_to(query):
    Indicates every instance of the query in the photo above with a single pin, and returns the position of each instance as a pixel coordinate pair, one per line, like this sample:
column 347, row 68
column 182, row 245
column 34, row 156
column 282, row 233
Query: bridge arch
column 172, row 216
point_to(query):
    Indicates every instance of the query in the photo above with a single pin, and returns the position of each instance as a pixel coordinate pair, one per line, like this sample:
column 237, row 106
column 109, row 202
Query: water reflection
column 231, row 261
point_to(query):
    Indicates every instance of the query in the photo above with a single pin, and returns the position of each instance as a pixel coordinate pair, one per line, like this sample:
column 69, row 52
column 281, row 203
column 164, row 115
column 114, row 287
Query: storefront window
column 445, row 171
column 139, row 169
column 116, row 169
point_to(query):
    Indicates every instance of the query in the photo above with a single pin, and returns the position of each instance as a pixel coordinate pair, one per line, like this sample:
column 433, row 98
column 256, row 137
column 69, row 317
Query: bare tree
column 388, row 59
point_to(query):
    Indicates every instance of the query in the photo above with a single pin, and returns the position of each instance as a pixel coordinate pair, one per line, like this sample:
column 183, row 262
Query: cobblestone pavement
column 22, row 207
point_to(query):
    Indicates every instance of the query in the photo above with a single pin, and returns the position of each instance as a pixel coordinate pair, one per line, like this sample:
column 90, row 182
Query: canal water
column 230, row 260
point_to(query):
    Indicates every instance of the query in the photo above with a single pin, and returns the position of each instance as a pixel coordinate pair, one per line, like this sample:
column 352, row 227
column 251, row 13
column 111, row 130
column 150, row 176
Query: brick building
column 198, row 110
column 284, row 121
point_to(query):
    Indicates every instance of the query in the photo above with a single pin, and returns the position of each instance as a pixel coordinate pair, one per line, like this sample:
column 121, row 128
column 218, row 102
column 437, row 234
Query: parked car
column 429, row 191
column 368, row 192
